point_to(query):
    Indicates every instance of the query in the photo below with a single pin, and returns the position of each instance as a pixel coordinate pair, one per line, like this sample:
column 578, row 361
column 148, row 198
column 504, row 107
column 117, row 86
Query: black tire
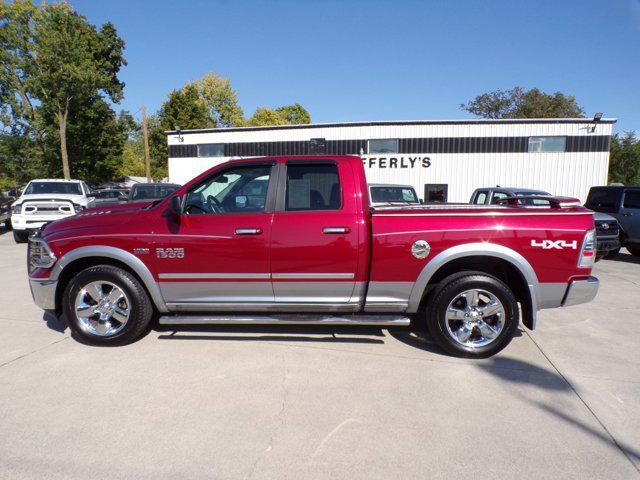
column 450, row 288
column 140, row 308
column 612, row 253
column 20, row 237
column 7, row 224
column 635, row 251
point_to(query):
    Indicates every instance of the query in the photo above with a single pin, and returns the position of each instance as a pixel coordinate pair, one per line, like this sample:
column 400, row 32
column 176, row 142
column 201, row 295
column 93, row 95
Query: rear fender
column 529, row 308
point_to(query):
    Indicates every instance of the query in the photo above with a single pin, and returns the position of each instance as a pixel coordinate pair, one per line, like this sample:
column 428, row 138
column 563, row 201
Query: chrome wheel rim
column 475, row 318
column 102, row 308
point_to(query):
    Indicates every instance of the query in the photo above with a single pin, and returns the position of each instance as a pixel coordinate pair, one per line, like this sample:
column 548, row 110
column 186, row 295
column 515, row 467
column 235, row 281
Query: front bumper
column 43, row 292
column 33, row 222
column 581, row 291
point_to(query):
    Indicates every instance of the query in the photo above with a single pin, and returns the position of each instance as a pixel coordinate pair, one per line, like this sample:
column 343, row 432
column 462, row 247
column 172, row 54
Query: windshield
column 152, row 192
column 62, row 188
column 393, row 194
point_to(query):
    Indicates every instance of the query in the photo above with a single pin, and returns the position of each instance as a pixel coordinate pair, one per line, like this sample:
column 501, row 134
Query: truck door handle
column 248, row 231
column 330, row 230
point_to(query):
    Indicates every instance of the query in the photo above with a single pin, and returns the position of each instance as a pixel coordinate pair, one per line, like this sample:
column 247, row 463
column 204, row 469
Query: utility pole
column 147, row 161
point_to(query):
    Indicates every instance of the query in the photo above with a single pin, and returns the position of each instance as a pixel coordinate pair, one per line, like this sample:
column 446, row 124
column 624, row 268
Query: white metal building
column 443, row 160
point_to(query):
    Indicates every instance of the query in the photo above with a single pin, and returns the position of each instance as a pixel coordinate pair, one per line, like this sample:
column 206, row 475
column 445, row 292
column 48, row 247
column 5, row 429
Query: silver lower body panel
column 43, row 293
column 581, row 291
column 286, row 319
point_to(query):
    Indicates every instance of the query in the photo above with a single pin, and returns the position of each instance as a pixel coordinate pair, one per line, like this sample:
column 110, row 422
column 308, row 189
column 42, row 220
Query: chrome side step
column 286, row 319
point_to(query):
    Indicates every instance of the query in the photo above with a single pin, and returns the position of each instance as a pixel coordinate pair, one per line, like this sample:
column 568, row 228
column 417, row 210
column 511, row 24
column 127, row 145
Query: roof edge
column 396, row 122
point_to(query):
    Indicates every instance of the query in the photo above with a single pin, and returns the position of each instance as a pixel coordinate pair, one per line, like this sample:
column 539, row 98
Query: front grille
column 607, row 229
column 47, row 208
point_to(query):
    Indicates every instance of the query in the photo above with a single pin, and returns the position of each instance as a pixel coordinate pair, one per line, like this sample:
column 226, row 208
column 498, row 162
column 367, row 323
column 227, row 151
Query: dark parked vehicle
column 607, row 228
column 5, row 210
column 623, row 203
column 143, row 192
column 109, row 197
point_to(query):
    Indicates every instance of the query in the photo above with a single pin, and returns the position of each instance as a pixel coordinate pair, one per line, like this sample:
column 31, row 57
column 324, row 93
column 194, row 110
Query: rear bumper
column 581, row 291
column 44, row 292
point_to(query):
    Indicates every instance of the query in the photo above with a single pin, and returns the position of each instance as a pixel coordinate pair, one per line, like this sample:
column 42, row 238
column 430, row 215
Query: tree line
column 58, row 87
column 59, row 84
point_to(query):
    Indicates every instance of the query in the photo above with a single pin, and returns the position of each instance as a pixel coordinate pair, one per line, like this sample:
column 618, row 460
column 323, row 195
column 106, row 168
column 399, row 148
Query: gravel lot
column 229, row 403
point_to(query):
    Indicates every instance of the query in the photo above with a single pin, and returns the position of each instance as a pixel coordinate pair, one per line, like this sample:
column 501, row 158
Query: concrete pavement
column 312, row 403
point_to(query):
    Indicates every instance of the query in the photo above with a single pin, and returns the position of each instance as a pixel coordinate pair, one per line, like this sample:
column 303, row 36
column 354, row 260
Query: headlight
column 40, row 255
column 78, row 208
column 16, row 209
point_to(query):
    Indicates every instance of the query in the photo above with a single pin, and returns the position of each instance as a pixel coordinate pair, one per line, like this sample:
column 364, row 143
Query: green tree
column 294, row 114
column 518, row 103
column 624, row 160
column 185, row 110
column 53, row 61
column 265, row 116
column 220, row 100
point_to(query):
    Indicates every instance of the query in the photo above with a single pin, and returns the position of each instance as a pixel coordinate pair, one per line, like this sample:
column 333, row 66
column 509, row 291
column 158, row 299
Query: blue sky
column 381, row 60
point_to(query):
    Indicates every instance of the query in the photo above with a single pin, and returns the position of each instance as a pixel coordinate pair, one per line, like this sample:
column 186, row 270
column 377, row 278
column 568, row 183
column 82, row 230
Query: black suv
column 623, row 203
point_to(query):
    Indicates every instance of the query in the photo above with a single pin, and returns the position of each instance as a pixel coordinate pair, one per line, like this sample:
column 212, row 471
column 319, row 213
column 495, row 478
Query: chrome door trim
column 214, row 276
column 262, row 307
column 309, row 276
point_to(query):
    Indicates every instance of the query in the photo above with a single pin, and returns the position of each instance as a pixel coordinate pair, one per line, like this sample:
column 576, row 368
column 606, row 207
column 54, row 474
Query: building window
column 547, row 144
column 211, row 150
column 385, row 145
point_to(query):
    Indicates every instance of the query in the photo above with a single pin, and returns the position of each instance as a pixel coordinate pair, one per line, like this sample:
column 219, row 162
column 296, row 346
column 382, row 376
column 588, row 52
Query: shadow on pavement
column 272, row 333
column 57, row 324
column 624, row 258
column 523, row 373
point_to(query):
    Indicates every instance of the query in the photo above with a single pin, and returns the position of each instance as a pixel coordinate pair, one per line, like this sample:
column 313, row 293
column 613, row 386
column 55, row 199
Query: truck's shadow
column 624, row 258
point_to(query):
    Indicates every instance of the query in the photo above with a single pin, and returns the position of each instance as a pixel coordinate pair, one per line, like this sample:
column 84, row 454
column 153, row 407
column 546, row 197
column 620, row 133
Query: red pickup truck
column 293, row 240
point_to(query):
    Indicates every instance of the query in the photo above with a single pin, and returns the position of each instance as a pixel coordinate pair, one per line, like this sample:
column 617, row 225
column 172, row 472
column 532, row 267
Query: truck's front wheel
column 472, row 315
column 106, row 305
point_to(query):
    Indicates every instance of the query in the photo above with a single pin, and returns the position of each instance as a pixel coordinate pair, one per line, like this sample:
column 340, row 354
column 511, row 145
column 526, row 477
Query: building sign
column 396, row 161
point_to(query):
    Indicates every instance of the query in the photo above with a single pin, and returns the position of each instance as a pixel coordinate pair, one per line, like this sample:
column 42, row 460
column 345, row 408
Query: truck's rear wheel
column 106, row 305
column 473, row 315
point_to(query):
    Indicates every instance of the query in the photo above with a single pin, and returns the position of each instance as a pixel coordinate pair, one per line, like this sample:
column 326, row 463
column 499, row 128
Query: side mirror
column 175, row 206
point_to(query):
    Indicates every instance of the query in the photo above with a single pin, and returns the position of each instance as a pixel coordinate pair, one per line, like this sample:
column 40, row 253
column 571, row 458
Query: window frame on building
column 542, row 139
column 395, row 150
column 219, row 146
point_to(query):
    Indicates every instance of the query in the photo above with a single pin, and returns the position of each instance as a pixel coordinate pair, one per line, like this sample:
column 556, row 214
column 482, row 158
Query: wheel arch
column 497, row 260
column 84, row 257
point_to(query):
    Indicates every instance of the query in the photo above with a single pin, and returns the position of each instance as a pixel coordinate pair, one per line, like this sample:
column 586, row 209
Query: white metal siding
column 567, row 173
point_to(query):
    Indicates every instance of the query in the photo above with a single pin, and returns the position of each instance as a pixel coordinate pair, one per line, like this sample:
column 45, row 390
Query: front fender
column 121, row 255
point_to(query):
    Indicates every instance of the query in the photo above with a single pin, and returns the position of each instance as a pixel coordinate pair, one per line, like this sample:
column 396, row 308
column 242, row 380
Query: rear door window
column 632, row 199
column 498, row 196
column 603, row 200
column 313, row 187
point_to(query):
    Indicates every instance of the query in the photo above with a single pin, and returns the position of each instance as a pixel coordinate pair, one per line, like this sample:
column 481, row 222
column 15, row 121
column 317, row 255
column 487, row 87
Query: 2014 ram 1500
column 294, row 240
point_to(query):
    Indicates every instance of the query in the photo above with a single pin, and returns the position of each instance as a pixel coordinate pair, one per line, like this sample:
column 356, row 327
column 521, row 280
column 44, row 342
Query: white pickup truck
column 46, row 200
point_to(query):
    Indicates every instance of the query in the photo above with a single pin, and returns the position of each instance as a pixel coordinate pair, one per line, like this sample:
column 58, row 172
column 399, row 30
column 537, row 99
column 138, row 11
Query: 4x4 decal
column 555, row 244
